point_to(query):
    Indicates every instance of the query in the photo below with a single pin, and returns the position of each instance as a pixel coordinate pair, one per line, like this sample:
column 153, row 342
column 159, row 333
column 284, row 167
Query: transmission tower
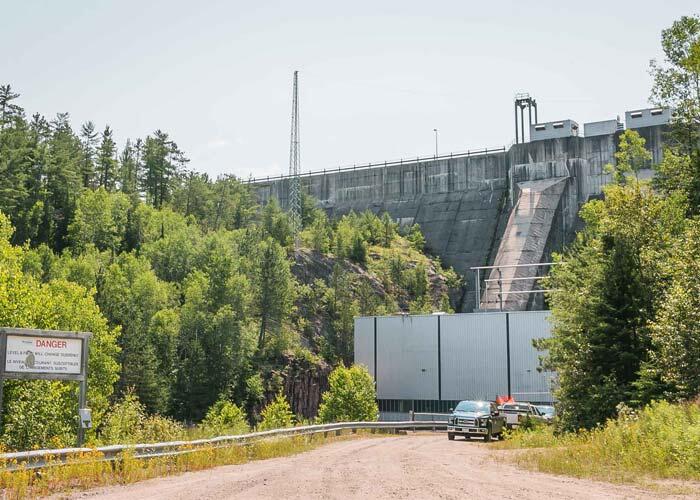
column 294, row 167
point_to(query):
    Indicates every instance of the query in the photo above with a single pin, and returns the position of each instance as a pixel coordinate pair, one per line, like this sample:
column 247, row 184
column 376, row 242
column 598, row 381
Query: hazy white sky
column 376, row 77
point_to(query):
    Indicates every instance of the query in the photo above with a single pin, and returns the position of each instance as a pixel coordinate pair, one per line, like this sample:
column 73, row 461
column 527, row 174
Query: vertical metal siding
column 529, row 384
column 407, row 357
column 364, row 343
column 473, row 356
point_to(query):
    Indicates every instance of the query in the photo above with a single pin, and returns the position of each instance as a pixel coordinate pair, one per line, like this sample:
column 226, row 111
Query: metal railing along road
column 36, row 459
column 402, row 161
column 428, row 417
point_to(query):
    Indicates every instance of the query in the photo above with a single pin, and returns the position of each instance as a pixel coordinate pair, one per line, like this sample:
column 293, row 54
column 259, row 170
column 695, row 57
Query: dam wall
column 463, row 202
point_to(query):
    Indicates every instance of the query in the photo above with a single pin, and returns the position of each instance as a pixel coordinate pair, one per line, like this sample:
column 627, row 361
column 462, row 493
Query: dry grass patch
column 661, row 442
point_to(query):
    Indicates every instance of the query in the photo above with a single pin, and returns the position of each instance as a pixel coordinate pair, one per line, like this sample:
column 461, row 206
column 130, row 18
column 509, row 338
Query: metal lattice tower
column 294, row 166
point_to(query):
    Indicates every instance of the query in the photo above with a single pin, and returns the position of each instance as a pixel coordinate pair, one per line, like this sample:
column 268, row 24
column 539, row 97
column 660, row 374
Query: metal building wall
column 364, row 342
column 478, row 352
column 473, row 356
column 527, row 383
column 407, row 360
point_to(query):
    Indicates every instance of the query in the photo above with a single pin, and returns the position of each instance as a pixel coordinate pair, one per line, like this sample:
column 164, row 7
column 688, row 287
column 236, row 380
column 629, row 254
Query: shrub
column 358, row 251
column 351, row 396
column 416, row 238
column 161, row 429
column 277, row 414
column 225, row 417
column 124, row 421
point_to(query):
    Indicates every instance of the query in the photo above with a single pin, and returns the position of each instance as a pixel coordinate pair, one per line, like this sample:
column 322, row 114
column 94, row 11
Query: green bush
column 277, row 414
column 358, row 251
column 351, row 396
column 124, row 421
column 416, row 238
column 225, row 417
column 157, row 428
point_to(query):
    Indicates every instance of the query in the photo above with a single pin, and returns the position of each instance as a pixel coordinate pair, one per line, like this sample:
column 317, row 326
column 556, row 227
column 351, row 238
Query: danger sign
column 25, row 354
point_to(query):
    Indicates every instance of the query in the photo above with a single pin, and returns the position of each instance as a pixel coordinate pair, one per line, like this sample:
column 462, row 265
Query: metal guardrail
column 36, row 459
column 402, row 161
column 428, row 416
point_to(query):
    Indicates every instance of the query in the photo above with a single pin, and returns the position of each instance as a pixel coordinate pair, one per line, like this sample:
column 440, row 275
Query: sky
column 376, row 77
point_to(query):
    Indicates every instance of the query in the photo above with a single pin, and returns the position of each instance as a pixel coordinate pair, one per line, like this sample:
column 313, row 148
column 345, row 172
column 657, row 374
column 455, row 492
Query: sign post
column 46, row 355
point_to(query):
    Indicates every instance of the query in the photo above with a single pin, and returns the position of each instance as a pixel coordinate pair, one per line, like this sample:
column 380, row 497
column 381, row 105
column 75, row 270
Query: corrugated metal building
column 428, row 363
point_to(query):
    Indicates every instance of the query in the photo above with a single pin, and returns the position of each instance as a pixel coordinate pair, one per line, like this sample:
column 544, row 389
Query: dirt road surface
column 413, row 466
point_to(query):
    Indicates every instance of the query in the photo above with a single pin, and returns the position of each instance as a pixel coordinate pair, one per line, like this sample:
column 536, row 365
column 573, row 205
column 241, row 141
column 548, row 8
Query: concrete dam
column 508, row 207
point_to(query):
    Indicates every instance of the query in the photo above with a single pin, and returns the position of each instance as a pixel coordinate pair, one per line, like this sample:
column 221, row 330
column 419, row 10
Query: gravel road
column 415, row 466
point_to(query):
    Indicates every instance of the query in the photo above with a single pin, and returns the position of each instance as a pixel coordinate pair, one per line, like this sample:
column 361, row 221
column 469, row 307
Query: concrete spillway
column 524, row 243
column 466, row 204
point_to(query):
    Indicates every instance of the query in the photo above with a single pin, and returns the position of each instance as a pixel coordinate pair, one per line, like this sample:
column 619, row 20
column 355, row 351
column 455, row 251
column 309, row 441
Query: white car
column 516, row 413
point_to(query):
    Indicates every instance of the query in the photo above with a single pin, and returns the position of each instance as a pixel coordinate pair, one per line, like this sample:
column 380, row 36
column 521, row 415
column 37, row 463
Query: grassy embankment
column 87, row 471
column 661, row 441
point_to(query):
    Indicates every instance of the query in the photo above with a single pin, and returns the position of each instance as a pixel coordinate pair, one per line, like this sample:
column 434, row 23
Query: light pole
column 436, row 141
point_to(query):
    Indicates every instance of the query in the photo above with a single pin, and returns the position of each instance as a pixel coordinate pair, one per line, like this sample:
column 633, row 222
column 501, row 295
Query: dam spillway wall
column 463, row 203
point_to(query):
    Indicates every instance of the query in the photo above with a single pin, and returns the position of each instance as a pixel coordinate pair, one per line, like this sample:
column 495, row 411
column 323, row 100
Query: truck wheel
column 451, row 436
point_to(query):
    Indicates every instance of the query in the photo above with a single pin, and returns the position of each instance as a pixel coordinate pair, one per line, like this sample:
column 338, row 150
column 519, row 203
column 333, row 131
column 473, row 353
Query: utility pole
column 436, row 142
column 294, row 167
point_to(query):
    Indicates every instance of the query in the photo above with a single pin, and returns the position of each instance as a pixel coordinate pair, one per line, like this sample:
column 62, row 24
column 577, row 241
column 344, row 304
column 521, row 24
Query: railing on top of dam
column 363, row 166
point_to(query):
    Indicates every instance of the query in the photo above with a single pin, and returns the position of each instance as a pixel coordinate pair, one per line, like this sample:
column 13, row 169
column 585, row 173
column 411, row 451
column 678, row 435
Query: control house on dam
column 503, row 209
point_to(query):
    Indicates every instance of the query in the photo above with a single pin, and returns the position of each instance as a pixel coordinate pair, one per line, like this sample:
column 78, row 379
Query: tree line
column 626, row 325
column 194, row 292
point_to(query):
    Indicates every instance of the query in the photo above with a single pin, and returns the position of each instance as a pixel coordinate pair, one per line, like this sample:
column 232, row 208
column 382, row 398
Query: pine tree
column 163, row 162
column 106, row 161
column 342, row 309
column 63, row 181
column 29, row 221
column 8, row 110
column 128, row 170
column 15, row 165
column 88, row 135
column 273, row 286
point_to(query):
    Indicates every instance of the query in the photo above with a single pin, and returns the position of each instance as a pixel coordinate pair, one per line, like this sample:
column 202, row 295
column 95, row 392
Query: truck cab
column 475, row 419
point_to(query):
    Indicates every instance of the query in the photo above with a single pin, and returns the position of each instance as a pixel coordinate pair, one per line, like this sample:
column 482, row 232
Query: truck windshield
column 473, row 406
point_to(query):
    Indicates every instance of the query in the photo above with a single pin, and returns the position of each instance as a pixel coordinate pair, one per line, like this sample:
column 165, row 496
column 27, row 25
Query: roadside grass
column 87, row 470
column 661, row 441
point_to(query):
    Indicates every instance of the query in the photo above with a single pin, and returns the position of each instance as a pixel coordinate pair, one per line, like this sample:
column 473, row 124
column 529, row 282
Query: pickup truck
column 516, row 413
column 475, row 419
